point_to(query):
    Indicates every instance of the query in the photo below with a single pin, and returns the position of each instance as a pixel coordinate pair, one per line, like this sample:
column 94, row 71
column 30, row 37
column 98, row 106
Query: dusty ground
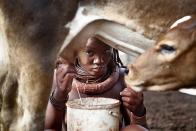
column 170, row 111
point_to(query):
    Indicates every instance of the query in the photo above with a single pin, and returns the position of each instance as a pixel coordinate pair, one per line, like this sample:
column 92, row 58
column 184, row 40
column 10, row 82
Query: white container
column 93, row 114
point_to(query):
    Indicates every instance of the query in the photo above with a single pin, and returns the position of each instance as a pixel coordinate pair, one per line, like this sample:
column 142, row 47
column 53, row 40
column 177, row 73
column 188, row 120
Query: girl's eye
column 89, row 53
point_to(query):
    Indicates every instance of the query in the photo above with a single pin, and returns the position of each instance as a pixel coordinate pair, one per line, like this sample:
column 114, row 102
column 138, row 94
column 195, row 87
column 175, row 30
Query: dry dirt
column 170, row 111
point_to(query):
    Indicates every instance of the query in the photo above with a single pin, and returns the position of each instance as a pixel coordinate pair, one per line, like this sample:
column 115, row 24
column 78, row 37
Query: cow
column 34, row 32
column 170, row 64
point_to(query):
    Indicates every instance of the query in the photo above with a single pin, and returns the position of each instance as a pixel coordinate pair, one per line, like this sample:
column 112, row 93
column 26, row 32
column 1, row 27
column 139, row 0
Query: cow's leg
column 24, row 98
column 8, row 95
column 32, row 97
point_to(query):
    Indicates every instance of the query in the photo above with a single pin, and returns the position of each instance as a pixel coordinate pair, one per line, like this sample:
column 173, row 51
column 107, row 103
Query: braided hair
column 116, row 58
column 116, row 61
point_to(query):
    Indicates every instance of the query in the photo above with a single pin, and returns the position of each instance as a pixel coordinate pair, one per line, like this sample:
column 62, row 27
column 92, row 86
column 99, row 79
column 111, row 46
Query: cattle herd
column 33, row 33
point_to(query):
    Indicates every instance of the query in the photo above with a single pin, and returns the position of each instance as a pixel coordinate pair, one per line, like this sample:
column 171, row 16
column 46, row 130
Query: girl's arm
column 134, row 111
column 53, row 118
column 62, row 83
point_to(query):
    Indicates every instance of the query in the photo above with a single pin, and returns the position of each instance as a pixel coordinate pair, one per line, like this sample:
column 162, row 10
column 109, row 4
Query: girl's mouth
column 98, row 68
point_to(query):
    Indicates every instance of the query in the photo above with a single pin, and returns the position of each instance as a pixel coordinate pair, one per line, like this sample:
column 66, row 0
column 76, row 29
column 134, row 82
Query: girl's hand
column 133, row 101
column 62, row 81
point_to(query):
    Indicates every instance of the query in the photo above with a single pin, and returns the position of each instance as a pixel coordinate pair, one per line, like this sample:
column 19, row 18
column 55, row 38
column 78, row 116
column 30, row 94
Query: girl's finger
column 67, row 82
column 128, row 106
column 68, row 79
column 54, row 83
column 128, row 100
column 128, row 93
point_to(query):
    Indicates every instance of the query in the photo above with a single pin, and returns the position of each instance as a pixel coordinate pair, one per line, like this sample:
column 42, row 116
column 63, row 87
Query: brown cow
column 171, row 63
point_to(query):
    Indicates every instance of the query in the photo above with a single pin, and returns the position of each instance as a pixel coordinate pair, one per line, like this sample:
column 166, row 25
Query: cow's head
column 171, row 62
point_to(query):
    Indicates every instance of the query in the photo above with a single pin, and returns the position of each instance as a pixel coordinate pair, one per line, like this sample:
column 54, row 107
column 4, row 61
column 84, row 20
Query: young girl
column 100, row 68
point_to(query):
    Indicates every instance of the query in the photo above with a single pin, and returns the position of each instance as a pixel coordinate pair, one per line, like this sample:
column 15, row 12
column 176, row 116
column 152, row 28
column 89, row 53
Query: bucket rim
column 78, row 105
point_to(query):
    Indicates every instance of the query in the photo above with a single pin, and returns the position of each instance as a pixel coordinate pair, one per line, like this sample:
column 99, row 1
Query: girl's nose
column 98, row 60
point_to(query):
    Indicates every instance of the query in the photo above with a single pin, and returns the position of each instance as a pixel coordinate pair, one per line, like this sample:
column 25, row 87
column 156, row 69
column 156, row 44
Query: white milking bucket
column 93, row 114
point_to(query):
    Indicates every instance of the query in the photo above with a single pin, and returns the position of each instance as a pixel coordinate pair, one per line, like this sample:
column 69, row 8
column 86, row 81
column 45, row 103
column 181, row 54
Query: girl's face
column 95, row 57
